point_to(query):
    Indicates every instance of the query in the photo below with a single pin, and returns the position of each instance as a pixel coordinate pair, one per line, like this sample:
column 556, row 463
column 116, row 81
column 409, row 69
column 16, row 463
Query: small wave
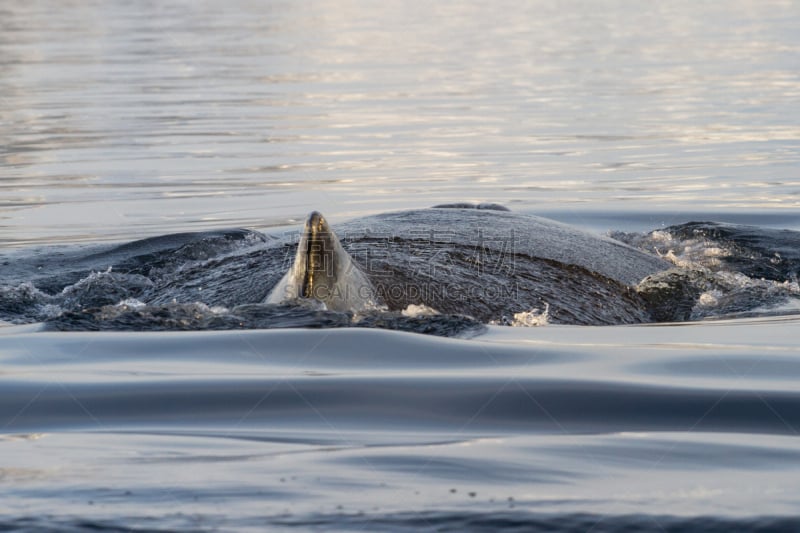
column 25, row 303
column 104, row 288
column 133, row 315
column 508, row 519
column 720, row 271
column 759, row 253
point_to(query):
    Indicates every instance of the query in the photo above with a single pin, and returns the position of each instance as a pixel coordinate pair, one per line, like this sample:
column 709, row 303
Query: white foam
column 51, row 310
column 414, row 310
column 23, row 290
column 709, row 299
column 131, row 303
column 532, row 318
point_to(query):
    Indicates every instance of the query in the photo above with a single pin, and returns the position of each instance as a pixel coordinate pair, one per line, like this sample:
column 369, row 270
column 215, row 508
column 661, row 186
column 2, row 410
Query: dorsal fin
column 325, row 272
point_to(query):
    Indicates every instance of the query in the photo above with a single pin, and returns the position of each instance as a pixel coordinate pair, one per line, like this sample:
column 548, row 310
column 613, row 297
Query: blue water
column 120, row 121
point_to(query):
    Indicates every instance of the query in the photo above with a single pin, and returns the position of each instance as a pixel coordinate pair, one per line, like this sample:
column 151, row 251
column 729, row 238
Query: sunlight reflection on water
column 197, row 115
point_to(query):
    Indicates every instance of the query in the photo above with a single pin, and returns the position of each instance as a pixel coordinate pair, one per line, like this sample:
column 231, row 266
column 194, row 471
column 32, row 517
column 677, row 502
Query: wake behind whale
column 440, row 270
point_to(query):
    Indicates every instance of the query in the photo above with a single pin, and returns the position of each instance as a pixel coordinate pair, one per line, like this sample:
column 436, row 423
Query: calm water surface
column 121, row 120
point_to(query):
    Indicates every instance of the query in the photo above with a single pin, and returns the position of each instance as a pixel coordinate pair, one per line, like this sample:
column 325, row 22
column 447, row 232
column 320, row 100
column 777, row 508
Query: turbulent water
column 126, row 128
column 443, row 271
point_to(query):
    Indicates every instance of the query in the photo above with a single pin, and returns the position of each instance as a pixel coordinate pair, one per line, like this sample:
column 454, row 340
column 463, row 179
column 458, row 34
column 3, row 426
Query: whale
column 481, row 261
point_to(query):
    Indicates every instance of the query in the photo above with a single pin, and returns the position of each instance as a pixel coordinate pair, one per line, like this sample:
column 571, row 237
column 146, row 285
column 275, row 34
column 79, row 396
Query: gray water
column 123, row 120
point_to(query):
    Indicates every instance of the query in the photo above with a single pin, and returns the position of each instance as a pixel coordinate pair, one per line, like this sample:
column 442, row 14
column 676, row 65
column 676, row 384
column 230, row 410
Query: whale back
column 508, row 232
column 492, row 264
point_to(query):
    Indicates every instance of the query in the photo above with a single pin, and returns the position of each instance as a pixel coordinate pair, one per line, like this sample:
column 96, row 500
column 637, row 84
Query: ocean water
column 121, row 121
